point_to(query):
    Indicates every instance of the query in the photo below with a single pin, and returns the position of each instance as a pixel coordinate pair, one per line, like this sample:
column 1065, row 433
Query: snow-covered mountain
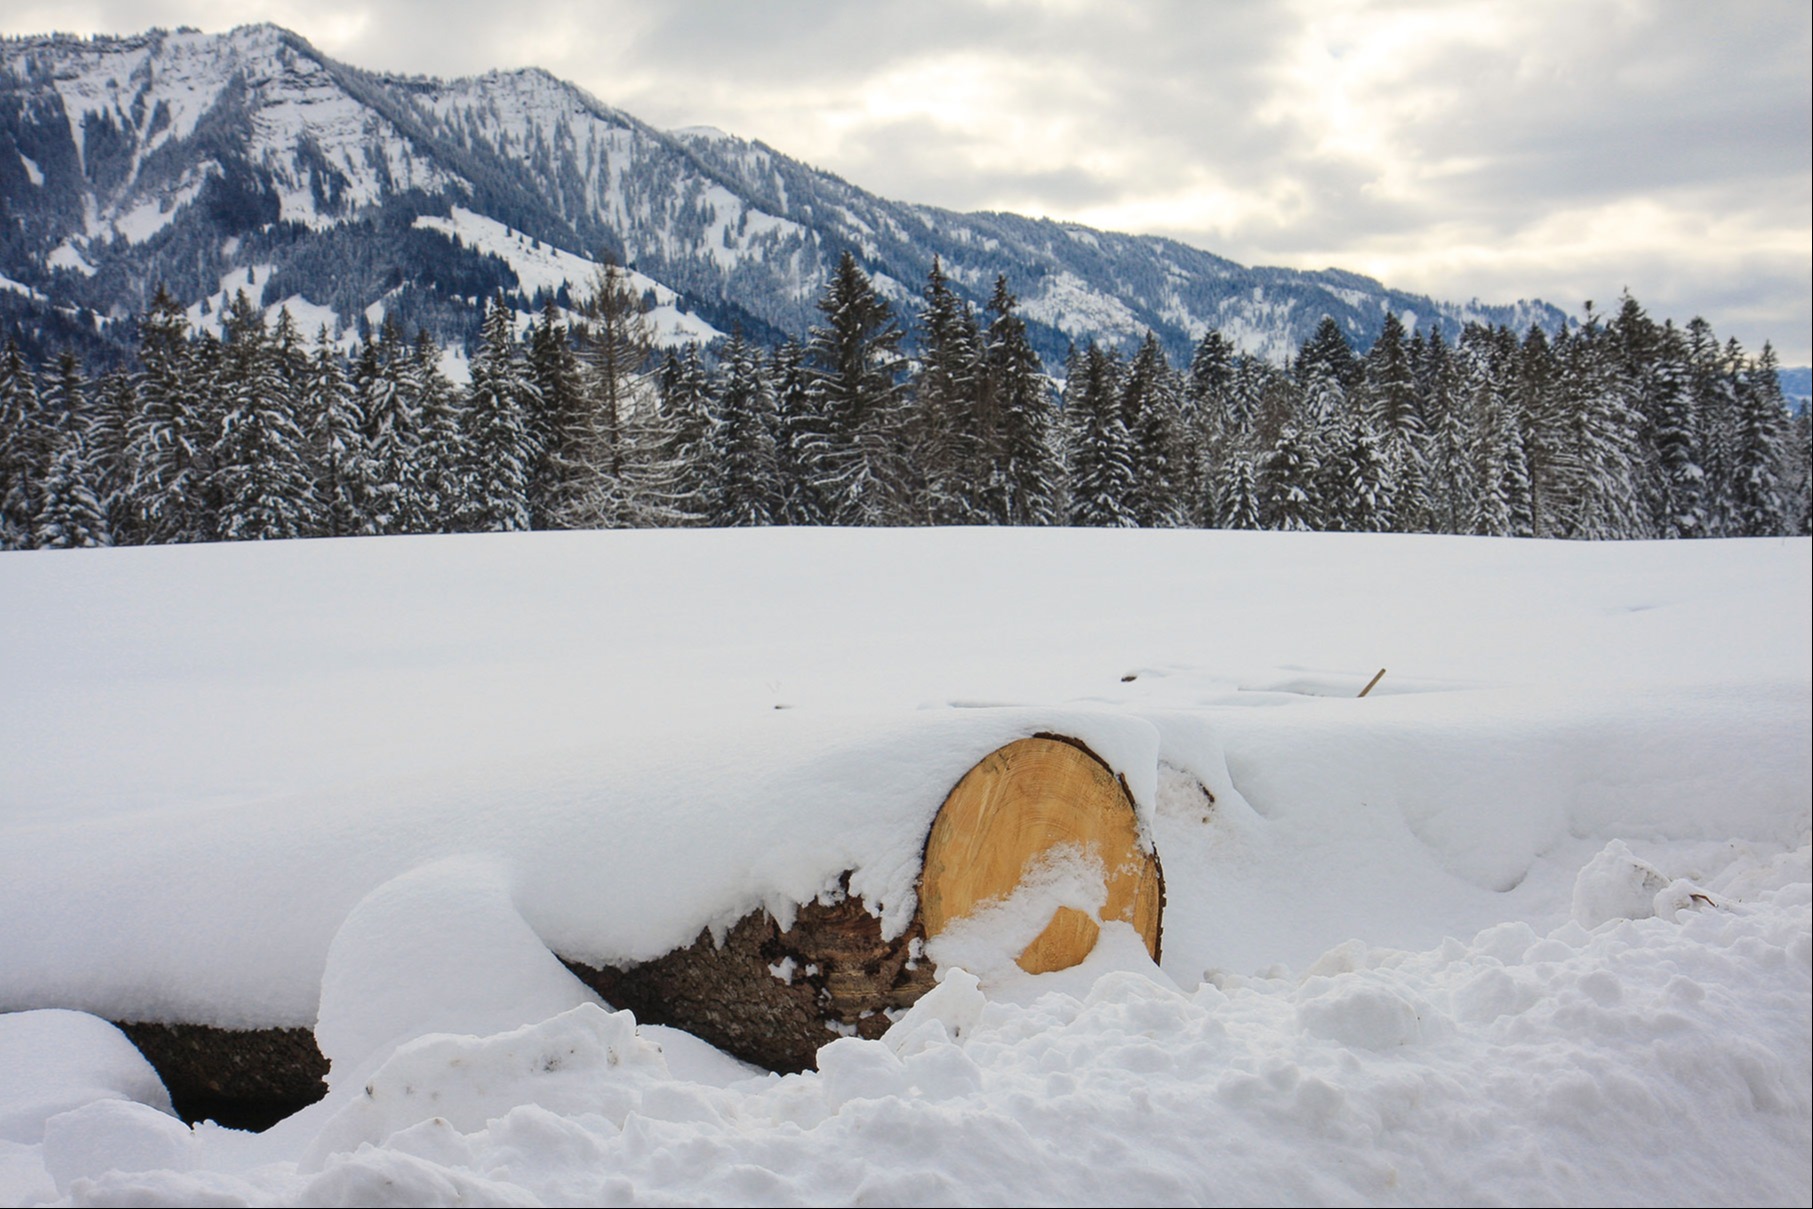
column 249, row 159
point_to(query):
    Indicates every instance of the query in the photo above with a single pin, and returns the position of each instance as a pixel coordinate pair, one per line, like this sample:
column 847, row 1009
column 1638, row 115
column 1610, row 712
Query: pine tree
column 1151, row 412
column 1489, row 436
column 1713, row 393
column 1023, row 474
column 1208, row 415
column 168, row 438
column 1601, row 453
column 1446, row 474
column 1678, row 447
column 1759, row 506
column 953, row 419
column 1238, row 505
column 1101, row 468
column 564, row 422
column 392, row 437
column 69, row 511
column 260, row 459
column 113, row 399
column 496, row 439
column 1390, row 386
column 799, row 433
column 751, row 493
column 614, row 345
column 24, row 450
column 855, row 363
column 685, row 472
column 1543, row 427
column 336, row 442
column 440, row 471
column 1286, row 477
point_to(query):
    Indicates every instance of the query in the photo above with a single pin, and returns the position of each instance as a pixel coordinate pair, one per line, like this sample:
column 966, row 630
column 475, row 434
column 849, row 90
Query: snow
column 19, row 287
column 33, row 173
column 1070, row 304
column 67, row 256
column 540, row 266
column 1530, row 923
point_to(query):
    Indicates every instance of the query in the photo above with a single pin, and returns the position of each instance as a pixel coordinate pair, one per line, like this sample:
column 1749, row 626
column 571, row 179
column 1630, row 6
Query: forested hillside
column 1624, row 428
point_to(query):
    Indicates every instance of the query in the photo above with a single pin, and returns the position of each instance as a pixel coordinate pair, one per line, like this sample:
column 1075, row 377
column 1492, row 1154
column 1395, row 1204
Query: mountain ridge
column 186, row 159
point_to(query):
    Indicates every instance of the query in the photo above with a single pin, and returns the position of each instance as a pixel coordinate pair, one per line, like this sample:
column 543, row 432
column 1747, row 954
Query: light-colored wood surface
column 1009, row 811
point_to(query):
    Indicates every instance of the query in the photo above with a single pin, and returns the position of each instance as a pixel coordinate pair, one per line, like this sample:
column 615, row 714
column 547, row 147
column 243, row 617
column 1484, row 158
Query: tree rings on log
column 1034, row 801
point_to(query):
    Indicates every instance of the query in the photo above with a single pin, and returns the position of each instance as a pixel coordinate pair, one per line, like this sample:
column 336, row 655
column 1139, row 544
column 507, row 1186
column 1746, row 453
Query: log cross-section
column 1020, row 804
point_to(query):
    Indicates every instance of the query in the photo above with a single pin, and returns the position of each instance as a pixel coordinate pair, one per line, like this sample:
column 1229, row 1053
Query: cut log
column 241, row 1078
column 1027, row 802
column 774, row 995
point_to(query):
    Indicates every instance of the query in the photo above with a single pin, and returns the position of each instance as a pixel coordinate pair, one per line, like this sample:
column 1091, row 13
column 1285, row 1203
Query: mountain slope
column 188, row 159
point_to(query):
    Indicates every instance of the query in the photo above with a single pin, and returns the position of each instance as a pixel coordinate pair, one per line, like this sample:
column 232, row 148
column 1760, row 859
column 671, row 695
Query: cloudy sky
column 1464, row 148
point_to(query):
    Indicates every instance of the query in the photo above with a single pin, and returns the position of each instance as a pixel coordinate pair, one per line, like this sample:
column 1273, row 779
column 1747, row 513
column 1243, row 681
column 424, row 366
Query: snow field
column 1529, row 924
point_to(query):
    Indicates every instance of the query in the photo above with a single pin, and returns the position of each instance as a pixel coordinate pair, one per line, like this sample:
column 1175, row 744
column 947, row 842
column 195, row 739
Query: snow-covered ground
column 1527, row 924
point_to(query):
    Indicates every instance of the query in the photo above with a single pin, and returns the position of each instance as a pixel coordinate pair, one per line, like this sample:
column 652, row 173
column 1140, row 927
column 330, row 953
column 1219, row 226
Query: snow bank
column 1529, row 922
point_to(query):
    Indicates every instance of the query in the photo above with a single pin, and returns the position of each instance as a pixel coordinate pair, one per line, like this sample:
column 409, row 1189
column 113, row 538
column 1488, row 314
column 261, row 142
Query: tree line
column 1619, row 428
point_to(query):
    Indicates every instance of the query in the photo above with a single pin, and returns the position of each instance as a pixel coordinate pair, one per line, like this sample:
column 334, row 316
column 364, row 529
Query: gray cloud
column 1460, row 147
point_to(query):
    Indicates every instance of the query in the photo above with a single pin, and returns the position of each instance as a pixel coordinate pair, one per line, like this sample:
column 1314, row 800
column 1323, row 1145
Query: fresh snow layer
column 1527, row 924
column 540, row 266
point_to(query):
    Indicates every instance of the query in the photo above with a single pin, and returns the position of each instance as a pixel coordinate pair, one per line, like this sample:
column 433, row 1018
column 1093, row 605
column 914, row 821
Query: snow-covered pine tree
column 1024, row 475
column 1488, row 430
column 1713, row 389
column 751, row 493
column 1800, row 461
column 1246, row 398
column 953, row 420
column 70, row 512
column 564, row 421
column 1327, row 355
column 261, row 464
column 110, row 406
column 441, row 468
column 1151, row 412
column 1237, row 502
column 1759, row 505
column 684, row 468
column 1447, row 476
column 860, row 470
column 1603, row 453
column 392, row 436
column 336, row 442
column 499, row 450
column 1101, row 449
column 1389, row 389
column 1537, row 414
column 1209, row 420
column 1678, row 447
column 798, row 436
column 167, row 438
column 24, row 449
column 1286, row 478
column 1354, row 491
column 614, row 345
column 1389, row 396
column 1635, row 338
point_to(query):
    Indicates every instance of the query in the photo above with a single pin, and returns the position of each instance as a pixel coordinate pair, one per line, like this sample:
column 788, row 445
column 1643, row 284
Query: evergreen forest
column 1619, row 428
